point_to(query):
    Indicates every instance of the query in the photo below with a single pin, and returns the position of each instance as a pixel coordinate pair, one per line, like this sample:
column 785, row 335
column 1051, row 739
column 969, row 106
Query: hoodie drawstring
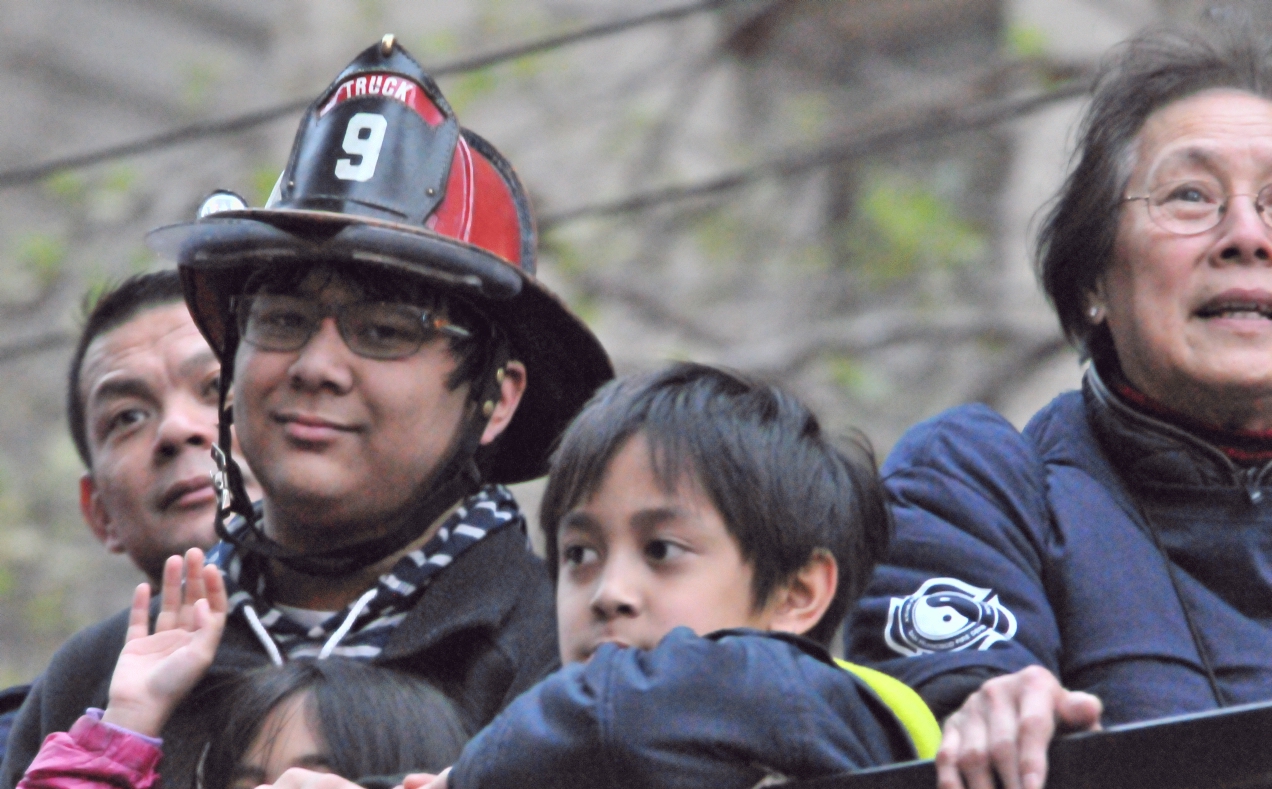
column 262, row 634
column 276, row 657
column 347, row 624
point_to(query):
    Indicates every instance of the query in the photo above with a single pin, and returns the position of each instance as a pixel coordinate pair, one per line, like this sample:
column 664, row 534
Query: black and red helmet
column 381, row 174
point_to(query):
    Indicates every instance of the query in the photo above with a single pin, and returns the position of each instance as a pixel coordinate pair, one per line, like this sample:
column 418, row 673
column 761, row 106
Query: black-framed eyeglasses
column 374, row 329
column 1193, row 207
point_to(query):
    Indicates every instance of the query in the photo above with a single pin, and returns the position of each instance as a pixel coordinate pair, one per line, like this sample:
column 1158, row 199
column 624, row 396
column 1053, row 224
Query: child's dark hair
column 372, row 719
column 111, row 309
column 783, row 489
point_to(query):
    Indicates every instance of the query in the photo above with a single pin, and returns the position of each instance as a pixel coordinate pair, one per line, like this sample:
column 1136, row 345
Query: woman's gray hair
column 1230, row 48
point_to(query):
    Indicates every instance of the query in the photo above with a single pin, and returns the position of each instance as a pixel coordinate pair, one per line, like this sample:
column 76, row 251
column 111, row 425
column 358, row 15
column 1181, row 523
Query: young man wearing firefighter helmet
column 388, row 359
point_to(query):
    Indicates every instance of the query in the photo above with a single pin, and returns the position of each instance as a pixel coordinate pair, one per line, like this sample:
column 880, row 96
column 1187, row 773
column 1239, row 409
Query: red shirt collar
column 1244, row 447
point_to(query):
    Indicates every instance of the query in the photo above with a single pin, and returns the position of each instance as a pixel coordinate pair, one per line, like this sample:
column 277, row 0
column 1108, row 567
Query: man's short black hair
column 115, row 306
column 782, row 488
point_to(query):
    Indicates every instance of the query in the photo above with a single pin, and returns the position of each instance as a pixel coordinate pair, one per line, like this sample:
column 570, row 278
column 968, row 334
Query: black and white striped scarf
column 363, row 628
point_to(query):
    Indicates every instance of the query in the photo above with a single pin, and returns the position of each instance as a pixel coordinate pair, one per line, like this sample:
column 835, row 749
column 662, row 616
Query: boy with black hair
column 789, row 498
column 705, row 539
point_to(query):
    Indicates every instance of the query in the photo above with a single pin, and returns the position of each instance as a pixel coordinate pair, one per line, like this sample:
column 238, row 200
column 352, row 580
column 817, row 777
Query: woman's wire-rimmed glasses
column 1190, row 208
column 374, row 329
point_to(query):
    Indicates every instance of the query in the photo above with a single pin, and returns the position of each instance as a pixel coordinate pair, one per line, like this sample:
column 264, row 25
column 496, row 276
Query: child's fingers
column 207, row 628
column 139, row 615
column 440, row 782
column 204, row 621
column 171, row 594
column 215, row 586
column 417, row 780
column 201, row 615
column 194, row 589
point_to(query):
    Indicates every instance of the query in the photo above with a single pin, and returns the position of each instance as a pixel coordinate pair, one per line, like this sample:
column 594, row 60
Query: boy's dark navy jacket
column 722, row 711
column 1013, row 550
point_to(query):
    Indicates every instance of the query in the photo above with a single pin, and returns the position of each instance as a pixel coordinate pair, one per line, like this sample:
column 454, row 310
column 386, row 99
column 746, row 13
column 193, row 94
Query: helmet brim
column 564, row 361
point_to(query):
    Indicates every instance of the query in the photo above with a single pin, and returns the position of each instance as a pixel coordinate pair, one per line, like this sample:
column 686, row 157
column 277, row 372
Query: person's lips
column 188, row 493
column 591, row 650
column 311, row 428
column 1237, row 304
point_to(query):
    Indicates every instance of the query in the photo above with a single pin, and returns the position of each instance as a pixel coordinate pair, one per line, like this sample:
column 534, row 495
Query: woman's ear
column 799, row 604
column 1095, row 301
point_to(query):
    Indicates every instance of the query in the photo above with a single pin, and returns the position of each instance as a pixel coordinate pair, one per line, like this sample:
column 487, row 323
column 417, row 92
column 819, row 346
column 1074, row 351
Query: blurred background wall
column 835, row 194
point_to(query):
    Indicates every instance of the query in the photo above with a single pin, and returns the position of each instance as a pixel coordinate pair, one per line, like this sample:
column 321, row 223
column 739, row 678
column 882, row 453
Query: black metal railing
column 1224, row 749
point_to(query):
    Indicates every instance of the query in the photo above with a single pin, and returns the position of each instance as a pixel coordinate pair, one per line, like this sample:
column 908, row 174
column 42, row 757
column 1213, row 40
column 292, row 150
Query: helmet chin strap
column 457, row 478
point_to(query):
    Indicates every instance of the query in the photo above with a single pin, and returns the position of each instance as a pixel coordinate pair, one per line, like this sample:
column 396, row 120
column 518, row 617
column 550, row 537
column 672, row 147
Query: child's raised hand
column 156, row 670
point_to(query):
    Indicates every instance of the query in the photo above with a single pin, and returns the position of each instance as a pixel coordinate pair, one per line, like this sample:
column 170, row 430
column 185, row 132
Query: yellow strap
column 913, row 713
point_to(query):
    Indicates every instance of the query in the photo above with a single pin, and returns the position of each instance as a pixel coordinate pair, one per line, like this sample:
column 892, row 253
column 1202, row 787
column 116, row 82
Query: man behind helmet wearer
column 141, row 403
column 390, row 359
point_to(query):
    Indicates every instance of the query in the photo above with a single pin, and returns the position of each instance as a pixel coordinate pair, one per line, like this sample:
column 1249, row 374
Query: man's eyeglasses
column 374, row 329
column 1192, row 207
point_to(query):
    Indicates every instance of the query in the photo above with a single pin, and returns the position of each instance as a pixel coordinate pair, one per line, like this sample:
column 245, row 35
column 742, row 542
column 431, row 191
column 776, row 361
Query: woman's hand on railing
column 1006, row 726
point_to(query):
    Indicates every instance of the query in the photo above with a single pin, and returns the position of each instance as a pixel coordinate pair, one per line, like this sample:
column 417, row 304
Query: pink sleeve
column 93, row 754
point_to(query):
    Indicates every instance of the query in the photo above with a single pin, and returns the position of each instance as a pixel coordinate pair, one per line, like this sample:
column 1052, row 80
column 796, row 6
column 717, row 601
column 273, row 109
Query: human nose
column 322, row 362
column 1245, row 236
column 616, row 594
column 187, row 422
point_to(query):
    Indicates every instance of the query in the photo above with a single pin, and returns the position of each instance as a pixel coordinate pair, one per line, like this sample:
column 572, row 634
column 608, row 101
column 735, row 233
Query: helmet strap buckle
column 219, row 481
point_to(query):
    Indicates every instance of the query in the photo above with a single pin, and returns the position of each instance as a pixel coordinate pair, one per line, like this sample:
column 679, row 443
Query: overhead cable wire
column 583, row 34
column 20, row 176
column 869, row 138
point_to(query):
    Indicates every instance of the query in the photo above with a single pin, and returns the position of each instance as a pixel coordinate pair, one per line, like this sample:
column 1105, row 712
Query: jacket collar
column 1149, row 452
column 365, row 627
column 478, row 593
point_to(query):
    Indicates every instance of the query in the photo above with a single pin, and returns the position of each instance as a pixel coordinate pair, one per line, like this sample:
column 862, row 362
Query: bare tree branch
column 32, row 345
column 885, row 132
column 795, row 349
column 652, row 307
column 1017, row 367
column 25, row 175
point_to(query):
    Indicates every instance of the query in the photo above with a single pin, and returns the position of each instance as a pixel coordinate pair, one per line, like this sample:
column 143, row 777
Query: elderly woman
column 1114, row 560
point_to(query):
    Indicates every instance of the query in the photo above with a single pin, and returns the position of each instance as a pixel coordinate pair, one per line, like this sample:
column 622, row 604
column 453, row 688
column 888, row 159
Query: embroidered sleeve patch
column 947, row 615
